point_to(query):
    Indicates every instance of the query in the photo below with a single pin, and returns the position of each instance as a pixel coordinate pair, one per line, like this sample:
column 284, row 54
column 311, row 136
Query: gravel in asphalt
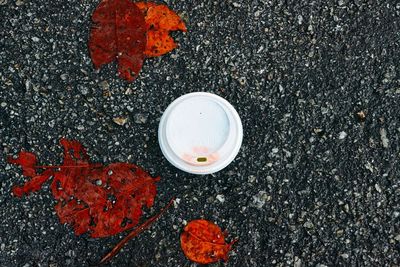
column 316, row 83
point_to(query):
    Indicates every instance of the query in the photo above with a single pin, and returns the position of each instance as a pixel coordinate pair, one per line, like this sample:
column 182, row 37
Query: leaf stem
column 67, row 166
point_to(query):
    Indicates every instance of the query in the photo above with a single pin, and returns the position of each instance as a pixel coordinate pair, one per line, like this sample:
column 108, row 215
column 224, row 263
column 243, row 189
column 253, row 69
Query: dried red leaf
column 118, row 33
column 160, row 21
column 101, row 200
column 203, row 242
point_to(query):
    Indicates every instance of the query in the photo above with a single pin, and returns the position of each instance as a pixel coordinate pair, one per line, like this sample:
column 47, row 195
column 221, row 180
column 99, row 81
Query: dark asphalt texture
column 314, row 184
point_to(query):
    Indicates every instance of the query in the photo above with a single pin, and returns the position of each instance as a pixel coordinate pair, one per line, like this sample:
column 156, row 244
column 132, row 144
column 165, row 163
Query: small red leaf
column 118, row 33
column 160, row 21
column 203, row 242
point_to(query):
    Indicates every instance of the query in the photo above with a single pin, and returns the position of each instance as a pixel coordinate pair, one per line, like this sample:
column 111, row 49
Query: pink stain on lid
column 200, row 156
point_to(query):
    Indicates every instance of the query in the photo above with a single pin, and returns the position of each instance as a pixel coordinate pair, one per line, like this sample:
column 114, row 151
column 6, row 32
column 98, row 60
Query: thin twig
column 134, row 233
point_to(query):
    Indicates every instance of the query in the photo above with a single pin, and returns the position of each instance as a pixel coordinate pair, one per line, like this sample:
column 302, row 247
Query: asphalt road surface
column 316, row 83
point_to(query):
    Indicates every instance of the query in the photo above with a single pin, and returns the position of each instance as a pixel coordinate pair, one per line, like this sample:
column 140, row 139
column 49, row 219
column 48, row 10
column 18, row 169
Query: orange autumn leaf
column 160, row 21
column 203, row 242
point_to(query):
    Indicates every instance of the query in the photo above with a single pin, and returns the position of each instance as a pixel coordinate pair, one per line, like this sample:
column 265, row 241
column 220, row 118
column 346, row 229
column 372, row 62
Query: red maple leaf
column 129, row 32
column 118, row 33
column 94, row 198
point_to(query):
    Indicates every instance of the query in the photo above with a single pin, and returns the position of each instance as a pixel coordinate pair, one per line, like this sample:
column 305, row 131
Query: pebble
column 308, row 225
column 252, row 179
column 346, row 207
column 300, row 19
column 378, row 188
column 297, row 262
column 242, row 80
column 384, row 139
column 361, row 116
column 342, row 135
column 120, row 120
column 51, row 123
column 104, row 85
column 260, row 199
column 220, row 198
column 70, row 253
column 83, row 89
column 64, row 76
column 158, row 256
column 140, row 118
column 176, row 202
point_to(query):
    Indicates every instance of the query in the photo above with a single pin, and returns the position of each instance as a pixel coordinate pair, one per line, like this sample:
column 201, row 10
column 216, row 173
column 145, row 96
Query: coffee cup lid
column 200, row 133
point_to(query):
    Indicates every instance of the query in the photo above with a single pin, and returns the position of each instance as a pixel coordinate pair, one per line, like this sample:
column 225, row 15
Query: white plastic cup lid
column 200, row 133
